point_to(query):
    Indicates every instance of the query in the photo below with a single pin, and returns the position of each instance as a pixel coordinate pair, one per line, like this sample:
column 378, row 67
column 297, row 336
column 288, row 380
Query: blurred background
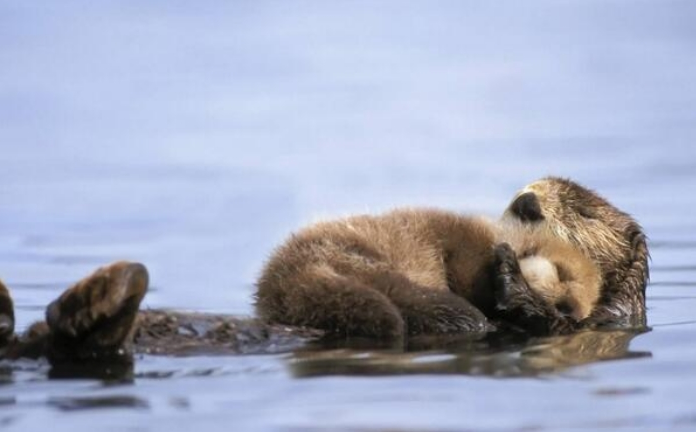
column 194, row 138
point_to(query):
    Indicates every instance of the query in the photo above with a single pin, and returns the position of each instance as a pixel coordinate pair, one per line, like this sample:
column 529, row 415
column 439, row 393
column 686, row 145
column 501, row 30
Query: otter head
column 603, row 233
column 578, row 216
column 573, row 288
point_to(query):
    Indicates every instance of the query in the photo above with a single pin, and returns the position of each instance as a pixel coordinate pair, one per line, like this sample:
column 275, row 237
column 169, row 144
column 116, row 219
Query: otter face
column 610, row 238
column 572, row 288
column 576, row 215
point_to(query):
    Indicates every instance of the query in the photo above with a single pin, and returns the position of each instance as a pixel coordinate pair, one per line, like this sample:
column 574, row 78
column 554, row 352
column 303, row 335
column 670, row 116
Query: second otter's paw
column 511, row 289
column 519, row 304
column 97, row 312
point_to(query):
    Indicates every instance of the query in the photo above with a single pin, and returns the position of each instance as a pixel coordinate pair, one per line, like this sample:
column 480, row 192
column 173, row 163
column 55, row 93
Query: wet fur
column 415, row 271
column 609, row 237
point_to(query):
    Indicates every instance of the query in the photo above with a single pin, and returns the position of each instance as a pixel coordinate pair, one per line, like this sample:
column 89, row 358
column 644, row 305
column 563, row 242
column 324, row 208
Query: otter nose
column 527, row 207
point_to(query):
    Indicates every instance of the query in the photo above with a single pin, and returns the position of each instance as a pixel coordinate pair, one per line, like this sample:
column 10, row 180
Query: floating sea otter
column 561, row 259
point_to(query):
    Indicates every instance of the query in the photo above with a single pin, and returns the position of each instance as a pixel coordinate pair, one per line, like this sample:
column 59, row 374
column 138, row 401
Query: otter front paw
column 519, row 304
column 515, row 301
column 97, row 313
column 511, row 289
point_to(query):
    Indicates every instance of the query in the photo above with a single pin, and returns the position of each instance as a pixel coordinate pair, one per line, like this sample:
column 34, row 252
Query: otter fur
column 611, row 238
column 415, row 271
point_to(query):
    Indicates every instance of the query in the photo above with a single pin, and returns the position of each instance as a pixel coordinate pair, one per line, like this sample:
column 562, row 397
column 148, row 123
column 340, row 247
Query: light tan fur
column 560, row 273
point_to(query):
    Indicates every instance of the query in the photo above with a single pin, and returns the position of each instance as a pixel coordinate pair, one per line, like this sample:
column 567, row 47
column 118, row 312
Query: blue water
column 195, row 137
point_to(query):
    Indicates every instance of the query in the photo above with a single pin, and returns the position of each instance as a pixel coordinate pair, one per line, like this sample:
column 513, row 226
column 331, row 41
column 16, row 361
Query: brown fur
column 411, row 271
column 92, row 319
column 7, row 319
column 612, row 239
column 559, row 273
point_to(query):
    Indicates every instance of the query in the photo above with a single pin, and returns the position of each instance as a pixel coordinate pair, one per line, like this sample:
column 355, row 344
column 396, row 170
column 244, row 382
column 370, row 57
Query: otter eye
column 527, row 208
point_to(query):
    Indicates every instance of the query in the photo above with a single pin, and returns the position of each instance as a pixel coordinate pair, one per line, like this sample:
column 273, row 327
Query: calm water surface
column 193, row 138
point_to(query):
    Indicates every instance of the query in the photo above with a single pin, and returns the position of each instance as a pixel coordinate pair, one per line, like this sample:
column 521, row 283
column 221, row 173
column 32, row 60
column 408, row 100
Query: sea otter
column 98, row 317
column 415, row 271
column 566, row 211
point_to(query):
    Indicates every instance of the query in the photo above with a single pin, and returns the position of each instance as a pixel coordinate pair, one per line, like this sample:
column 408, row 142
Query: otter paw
column 511, row 289
column 100, row 309
column 7, row 321
column 441, row 312
column 446, row 319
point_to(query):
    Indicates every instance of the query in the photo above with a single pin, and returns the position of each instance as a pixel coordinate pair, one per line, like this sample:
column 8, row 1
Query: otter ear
column 527, row 208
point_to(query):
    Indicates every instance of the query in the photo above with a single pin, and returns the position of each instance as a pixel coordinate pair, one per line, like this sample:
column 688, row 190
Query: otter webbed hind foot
column 93, row 319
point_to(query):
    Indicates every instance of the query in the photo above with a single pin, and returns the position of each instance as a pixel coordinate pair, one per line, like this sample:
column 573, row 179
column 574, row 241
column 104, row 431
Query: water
column 193, row 138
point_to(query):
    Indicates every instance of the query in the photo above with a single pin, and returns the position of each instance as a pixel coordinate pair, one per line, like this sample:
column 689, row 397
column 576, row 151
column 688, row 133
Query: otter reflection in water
column 495, row 355
column 98, row 319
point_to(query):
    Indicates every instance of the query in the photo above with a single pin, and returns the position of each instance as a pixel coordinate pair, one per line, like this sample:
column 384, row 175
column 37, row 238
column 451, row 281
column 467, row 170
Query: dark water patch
column 619, row 391
column 156, row 375
column 97, row 402
column 108, row 373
